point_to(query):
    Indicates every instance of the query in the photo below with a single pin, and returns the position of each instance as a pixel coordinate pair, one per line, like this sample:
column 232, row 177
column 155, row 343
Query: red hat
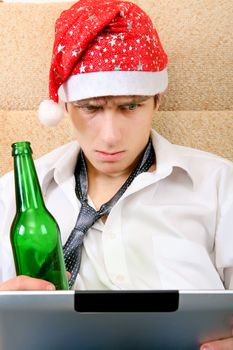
column 103, row 48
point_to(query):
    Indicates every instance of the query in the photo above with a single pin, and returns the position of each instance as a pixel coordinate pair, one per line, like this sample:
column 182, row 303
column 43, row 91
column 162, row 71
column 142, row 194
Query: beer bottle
column 35, row 235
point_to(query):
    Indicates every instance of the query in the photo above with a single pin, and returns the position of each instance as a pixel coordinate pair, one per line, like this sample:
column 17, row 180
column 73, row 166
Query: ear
column 64, row 105
column 157, row 100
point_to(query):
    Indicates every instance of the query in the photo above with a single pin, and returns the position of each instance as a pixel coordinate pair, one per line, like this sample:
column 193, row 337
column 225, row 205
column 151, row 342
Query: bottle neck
column 27, row 187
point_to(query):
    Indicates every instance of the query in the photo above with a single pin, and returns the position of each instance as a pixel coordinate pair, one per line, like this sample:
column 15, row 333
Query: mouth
column 109, row 156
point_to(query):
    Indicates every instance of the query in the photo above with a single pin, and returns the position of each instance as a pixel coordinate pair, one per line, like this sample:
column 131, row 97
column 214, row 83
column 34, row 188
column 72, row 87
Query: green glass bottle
column 35, row 235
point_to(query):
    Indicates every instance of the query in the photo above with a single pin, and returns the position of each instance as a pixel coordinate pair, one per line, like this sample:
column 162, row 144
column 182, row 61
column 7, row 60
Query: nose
column 111, row 129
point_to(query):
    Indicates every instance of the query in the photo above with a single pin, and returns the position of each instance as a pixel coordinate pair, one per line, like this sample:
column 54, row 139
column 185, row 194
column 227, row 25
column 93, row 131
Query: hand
column 26, row 283
column 224, row 344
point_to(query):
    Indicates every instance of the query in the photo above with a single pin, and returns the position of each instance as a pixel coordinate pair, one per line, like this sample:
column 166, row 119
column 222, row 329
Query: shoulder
column 203, row 155
column 45, row 162
column 210, row 172
column 201, row 160
column 47, row 159
column 191, row 157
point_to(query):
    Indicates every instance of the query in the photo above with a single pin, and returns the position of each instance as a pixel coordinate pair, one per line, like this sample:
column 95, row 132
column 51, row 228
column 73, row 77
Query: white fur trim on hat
column 50, row 113
column 113, row 83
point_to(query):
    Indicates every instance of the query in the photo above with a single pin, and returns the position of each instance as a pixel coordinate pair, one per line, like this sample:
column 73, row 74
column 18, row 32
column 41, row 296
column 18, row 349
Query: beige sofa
column 197, row 110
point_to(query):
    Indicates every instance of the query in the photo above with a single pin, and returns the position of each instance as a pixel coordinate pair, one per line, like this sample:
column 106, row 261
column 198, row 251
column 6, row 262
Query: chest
column 161, row 209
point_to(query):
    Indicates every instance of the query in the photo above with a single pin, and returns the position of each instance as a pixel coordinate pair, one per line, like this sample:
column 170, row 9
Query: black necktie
column 88, row 215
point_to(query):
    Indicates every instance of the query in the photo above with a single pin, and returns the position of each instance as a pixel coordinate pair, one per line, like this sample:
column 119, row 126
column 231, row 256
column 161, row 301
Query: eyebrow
column 102, row 101
column 135, row 99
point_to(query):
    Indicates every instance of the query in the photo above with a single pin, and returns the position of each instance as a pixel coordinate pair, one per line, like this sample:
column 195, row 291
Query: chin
column 111, row 169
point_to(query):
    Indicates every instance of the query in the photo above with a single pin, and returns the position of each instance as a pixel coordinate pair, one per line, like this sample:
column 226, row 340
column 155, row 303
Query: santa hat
column 103, row 48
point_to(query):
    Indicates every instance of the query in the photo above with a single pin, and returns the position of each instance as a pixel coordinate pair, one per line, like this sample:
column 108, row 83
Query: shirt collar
column 58, row 165
column 169, row 156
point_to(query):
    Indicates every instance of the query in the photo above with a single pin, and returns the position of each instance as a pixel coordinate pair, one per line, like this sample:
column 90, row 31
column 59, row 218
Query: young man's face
column 112, row 131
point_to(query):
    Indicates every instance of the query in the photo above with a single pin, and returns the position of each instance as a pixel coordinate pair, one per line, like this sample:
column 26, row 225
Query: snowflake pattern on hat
column 104, row 36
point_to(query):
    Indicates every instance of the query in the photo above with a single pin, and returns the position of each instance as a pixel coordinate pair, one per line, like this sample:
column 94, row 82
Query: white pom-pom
column 50, row 113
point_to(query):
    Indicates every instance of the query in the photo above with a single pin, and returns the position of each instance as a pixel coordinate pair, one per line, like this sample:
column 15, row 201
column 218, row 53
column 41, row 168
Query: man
column 135, row 211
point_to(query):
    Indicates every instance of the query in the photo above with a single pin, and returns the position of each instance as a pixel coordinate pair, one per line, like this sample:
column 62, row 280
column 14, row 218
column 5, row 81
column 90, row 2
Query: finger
column 68, row 275
column 225, row 344
column 26, row 283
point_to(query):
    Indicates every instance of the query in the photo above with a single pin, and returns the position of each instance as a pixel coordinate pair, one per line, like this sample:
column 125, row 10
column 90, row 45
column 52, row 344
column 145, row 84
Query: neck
column 102, row 187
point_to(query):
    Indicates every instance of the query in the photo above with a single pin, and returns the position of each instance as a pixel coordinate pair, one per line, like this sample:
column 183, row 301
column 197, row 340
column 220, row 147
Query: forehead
column 113, row 100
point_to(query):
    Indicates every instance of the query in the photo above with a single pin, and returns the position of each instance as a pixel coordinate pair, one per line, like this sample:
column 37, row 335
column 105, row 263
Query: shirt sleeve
column 224, row 243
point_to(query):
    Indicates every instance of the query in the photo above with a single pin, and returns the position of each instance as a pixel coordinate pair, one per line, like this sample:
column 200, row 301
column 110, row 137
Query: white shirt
column 172, row 228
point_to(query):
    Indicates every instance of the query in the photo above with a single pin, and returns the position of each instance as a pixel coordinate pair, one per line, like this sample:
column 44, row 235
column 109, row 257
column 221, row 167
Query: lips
column 110, row 156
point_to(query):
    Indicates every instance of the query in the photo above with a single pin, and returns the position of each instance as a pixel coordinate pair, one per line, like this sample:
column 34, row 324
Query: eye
column 131, row 106
column 89, row 109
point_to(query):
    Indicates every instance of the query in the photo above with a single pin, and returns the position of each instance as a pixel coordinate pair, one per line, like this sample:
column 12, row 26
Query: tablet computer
column 125, row 320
